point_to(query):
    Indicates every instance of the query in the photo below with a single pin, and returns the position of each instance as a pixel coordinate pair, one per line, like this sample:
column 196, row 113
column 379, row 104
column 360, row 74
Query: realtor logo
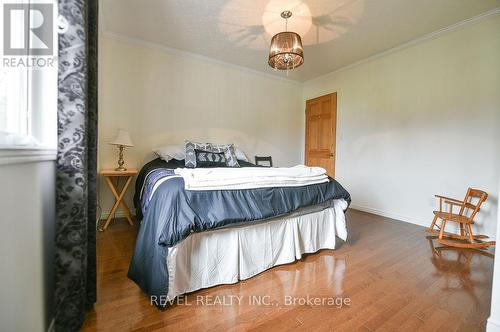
column 28, row 29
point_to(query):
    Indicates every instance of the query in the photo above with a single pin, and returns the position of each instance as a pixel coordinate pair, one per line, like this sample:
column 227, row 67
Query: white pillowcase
column 178, row 152
column 240, row 155
column 170, row 152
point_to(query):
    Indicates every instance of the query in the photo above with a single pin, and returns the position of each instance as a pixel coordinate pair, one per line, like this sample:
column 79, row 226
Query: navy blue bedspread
column 172, row 213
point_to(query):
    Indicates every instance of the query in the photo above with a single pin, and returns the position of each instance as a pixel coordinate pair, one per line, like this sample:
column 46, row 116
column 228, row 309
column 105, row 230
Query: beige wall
column 163, row 97
column 421, row 121
column 27, row 200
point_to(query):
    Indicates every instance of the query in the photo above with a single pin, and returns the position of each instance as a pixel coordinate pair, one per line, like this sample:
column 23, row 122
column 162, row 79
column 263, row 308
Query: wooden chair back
column 472, row 202
column 268, row 161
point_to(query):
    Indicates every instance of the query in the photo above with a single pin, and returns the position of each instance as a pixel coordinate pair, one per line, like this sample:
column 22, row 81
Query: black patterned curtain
column 75, row 258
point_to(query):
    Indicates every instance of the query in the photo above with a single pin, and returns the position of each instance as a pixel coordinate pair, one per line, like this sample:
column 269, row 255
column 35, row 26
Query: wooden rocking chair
column 465, row 218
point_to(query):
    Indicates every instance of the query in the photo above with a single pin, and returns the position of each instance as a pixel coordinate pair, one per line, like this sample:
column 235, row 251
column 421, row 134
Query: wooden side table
column 110, row 174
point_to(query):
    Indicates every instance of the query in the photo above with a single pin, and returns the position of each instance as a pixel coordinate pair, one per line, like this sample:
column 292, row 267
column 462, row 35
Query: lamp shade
column 122, row 138
column 286, row 51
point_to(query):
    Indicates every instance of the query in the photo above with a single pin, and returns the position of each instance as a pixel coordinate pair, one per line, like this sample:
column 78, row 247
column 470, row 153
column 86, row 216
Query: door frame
column 334, row 127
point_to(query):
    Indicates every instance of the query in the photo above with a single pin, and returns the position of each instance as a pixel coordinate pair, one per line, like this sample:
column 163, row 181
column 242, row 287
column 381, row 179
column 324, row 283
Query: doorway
column 321, row 123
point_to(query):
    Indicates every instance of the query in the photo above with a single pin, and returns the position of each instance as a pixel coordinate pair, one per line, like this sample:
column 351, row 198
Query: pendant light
column 286, row 51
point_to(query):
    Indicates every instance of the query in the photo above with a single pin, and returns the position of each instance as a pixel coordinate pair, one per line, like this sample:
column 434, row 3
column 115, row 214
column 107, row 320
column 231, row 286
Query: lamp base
column 120, row 167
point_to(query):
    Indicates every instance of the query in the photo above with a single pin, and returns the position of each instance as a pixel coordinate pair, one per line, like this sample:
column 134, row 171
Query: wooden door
column 321, row 121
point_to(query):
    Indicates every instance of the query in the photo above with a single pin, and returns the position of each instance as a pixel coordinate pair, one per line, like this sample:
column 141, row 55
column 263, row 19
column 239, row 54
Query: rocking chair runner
column 465, row 218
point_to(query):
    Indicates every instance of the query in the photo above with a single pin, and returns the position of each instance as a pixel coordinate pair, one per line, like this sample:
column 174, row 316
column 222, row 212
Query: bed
column 193, row 239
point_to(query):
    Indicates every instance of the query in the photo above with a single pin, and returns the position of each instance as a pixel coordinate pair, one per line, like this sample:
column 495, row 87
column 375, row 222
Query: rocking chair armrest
column 449, row 199
column 454, row 203
column 461, row 204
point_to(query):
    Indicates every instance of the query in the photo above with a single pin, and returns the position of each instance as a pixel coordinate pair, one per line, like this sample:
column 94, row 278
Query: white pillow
column 240, row 155
column 169, row 152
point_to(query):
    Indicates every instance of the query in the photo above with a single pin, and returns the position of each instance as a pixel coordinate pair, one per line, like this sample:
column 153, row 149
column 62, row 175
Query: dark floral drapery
column 75, row 257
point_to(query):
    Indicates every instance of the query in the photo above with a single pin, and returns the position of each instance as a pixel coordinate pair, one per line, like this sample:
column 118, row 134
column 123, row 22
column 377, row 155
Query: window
column 13, row 104
column 14, row 91
column 28, row 90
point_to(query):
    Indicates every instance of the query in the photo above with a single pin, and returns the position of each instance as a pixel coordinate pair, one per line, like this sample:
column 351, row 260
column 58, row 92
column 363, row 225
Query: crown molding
column 432, row 35
column 413, row 42
column 175, row 51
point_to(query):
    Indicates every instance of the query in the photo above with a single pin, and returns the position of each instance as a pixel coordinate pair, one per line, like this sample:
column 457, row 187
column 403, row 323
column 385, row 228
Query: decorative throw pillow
column 190, row 161
column 209, row 159
column 227, row 149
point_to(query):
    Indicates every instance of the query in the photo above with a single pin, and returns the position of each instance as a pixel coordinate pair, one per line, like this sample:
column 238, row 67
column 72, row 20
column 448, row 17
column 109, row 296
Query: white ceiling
column 335, row 33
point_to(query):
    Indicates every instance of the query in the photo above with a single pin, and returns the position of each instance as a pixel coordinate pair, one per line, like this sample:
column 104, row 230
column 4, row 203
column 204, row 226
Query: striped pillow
column 227, row 149
column 209, row 159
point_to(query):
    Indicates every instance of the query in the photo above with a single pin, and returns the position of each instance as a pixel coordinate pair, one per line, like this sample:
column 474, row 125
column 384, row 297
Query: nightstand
column 109, row 175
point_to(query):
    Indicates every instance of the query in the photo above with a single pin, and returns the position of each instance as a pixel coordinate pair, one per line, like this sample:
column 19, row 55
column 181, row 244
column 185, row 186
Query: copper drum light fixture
column 286, row 51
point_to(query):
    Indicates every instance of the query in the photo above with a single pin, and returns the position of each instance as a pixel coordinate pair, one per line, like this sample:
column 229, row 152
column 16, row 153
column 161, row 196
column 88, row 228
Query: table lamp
column 122, row 140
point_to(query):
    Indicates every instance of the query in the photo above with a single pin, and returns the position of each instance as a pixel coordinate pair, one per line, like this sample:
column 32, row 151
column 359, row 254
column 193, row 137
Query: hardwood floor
column 388, row 271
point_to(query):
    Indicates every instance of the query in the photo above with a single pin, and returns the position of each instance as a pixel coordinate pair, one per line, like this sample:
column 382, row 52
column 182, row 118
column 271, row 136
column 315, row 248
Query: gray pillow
column 229, row 153
column 209, row 159
column 227, row 149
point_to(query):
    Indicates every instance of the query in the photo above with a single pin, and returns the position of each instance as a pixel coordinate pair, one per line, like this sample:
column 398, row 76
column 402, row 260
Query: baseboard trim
column 118, row 214
column 399, row 217
column 379, row 212
column 492, row 325
column 392, row 215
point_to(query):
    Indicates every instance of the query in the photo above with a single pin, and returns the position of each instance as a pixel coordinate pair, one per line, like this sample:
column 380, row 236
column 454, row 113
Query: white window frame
column 40, row 141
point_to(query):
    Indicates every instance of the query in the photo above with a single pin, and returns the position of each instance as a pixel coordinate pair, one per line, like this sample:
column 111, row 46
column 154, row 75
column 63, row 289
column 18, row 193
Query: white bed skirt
column 227, row 255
